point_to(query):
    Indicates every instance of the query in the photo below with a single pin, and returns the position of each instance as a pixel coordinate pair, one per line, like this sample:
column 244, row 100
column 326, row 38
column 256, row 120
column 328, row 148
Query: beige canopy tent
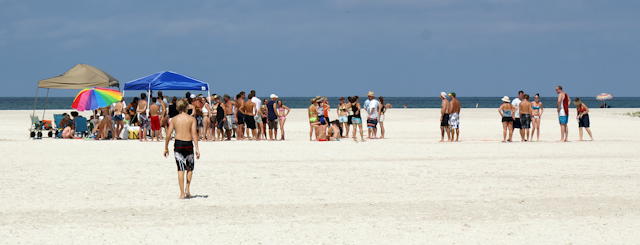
column 79, row 77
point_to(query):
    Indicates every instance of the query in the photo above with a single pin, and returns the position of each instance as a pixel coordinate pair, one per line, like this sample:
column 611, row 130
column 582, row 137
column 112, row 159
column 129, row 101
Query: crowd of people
column 218, row 118
column 245, row 117
column 348, row 114
column 525, row 116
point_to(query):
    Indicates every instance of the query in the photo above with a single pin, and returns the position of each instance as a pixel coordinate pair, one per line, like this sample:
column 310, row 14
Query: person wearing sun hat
column 583, row 117
column 454, row 116
column 507, row 112
column 373, row 112
column 444, row 117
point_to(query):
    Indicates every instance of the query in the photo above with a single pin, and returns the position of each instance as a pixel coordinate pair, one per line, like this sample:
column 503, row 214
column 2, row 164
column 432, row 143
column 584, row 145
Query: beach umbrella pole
column 34, row 104
column 45, row 104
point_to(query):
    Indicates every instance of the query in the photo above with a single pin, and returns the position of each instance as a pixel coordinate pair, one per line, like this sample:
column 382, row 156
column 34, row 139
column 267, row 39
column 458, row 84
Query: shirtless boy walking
column 185, row 139
column 444, row 117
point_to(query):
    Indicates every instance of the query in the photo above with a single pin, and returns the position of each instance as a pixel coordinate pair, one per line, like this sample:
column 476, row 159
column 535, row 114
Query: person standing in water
column 186, row 138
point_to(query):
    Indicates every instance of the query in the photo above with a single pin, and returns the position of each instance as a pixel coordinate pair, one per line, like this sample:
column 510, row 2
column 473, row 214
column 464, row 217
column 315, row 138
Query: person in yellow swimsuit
column 314, row 123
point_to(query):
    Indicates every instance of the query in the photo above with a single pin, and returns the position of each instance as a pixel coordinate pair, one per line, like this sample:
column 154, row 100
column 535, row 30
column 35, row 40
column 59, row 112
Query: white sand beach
column 406, row 189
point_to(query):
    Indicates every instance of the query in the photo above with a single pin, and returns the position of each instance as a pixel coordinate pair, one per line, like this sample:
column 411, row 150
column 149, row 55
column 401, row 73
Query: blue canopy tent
column 166, row 80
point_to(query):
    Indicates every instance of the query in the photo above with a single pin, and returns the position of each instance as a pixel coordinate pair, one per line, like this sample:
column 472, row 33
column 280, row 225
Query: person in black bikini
column 356, row 120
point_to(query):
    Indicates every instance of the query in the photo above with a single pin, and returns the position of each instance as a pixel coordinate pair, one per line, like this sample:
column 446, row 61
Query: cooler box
column 134, row 132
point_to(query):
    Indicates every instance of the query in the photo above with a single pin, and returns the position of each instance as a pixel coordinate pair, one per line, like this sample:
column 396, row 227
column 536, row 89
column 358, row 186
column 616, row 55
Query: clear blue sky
column 333, row 48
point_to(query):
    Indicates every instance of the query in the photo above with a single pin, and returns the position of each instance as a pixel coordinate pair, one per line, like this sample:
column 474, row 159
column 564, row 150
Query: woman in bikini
column 314, row 121
column 349, row 116
column 206, row 119
column 507, row 112
column 383, row 110
column 537, row 111
column 583, row 117
column 356, row 120
column 213, row 115
column 282, row 116
column 265, row 113
column 342, row 117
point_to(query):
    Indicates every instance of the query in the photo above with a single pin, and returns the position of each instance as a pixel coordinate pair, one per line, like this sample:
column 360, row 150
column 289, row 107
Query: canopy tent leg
column 45, row 104
column 148, row 100
column 34, row 104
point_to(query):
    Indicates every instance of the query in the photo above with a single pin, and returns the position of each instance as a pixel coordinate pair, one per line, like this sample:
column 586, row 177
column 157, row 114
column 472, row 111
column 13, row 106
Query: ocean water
column 27, row 103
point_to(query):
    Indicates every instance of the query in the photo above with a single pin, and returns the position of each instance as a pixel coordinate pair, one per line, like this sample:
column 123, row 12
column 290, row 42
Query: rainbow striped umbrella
column 94, row 98
column 604, row 96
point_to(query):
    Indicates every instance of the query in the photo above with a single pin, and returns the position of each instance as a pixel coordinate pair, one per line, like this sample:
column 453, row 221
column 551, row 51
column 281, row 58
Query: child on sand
column 186, row 138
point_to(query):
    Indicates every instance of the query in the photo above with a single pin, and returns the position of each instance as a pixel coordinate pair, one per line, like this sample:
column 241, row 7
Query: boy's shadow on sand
column 197, row 196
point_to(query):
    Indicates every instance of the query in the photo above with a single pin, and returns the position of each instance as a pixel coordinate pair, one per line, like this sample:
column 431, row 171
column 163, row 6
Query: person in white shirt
column 257, row 117
column 373, row 110
column 516, row 123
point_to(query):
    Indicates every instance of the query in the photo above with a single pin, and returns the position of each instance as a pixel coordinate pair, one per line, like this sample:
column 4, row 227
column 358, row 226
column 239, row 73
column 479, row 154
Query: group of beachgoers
column 525, row 115
column 218, row 118
column 348, row 114
column 449, row 117
column 232, row 116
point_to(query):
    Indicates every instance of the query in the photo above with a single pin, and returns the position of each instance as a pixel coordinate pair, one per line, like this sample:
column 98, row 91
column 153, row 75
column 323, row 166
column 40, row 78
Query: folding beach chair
column 81, row 127
column 57, row 118
column 35, row 130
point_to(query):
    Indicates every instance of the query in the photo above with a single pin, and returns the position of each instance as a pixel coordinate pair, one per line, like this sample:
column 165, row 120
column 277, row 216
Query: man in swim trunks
column 142, row 117
column 563, row 114
column 525, row 116
column 249, row 110
column 272, row 117
column 454, row 116
column 257, row 118
column 186, row 138
column 373, row 111
column 444, row 117
column 118, row 117
column 517, row 122
column 154, row 118
column 229, row 119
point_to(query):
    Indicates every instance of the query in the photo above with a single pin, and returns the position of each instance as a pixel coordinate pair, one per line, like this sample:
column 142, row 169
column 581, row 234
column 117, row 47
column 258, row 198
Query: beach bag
column 46, row 124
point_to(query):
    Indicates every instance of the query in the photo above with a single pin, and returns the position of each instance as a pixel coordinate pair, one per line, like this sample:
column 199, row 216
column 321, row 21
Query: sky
column 332, row 48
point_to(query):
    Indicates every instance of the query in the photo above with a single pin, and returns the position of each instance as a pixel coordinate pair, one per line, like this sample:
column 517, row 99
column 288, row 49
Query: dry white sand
column 404, row 189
